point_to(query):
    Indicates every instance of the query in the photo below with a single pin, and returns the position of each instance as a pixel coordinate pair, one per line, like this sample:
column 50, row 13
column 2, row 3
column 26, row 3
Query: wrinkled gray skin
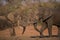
column 56, row 19
column 30, row 18
column 48, row 21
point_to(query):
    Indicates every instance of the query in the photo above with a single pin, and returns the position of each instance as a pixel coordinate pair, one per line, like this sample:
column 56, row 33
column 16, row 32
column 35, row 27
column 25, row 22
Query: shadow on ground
column 28, row 38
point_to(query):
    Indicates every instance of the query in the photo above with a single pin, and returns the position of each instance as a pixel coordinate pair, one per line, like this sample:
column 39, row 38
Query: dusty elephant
column 50, row 20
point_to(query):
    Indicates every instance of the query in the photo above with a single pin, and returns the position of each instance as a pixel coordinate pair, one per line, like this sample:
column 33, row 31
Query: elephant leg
column 59, row 31
column 50, row 30
column 12, row 31
column 24, row 29
column 50, row 27
column 44, row 26
column 35, row 27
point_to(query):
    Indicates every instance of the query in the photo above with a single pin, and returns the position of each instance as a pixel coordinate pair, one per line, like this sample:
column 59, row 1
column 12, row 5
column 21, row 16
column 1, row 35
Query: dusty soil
column 30, row 31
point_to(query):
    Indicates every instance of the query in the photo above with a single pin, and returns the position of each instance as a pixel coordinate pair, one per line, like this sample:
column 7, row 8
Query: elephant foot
column 41, row 35
column 50, row 35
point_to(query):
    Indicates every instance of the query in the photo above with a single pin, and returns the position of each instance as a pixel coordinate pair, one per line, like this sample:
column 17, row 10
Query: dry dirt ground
column 5, row 34
column 27, row 38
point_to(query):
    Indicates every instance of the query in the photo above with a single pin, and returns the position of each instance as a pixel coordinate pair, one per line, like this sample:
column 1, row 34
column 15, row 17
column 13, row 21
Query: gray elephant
column 51, row 18
column 46, row 16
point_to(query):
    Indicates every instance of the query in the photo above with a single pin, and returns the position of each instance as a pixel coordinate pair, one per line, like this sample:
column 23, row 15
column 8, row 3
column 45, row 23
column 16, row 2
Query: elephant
column 30, row 18
column 52, row 18
column 47, row 19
